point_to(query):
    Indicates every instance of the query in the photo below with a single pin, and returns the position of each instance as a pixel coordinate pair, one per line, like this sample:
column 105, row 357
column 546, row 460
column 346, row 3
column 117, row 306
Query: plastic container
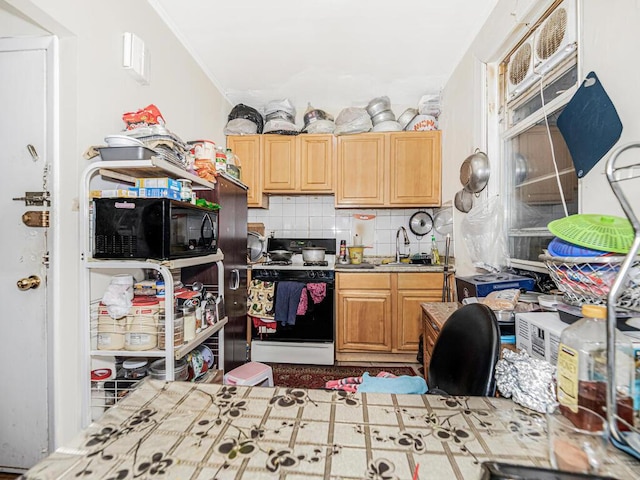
column 142, row 324
column 111, row 332
column 158, row 370
column 189, row 319
column 582, row 366
column 135, row 368
column 178, row 332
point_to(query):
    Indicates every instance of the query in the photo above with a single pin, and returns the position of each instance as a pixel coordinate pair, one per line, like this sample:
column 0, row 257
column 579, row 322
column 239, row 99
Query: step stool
column 251, row 374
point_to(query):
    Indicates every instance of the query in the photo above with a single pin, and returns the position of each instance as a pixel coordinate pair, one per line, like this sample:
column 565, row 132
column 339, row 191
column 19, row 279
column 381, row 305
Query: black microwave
column 155, row 228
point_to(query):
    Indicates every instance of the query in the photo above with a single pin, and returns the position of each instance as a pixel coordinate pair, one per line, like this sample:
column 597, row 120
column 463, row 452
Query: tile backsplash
column 306, row 216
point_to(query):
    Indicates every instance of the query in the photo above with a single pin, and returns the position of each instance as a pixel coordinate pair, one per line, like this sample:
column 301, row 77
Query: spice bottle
column 582, row 367
column 342, row 257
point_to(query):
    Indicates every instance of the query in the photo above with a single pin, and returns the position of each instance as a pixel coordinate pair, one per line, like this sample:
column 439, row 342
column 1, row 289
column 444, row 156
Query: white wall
column 94, row 93
column 608, row 44
column 610, row 40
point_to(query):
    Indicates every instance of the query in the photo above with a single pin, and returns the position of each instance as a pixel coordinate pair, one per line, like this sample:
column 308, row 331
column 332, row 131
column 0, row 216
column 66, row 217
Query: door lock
column 35, row 199
column 28, row 283
column 33, row 218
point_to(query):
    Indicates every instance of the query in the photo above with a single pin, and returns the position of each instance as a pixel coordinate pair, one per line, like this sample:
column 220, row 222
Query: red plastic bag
column 149, row 115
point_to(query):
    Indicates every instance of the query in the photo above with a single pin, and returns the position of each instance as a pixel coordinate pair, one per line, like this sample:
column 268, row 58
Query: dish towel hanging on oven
column 287, row 301
column 316, row 291
column 260, row 301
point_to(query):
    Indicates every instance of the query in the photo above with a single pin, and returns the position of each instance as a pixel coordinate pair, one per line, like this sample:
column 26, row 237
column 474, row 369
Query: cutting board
column 589, row 124
column 364, row 226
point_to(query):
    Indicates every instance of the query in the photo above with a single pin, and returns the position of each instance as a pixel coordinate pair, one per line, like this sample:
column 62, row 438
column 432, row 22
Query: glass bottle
column 435, row 255
column 582, row 366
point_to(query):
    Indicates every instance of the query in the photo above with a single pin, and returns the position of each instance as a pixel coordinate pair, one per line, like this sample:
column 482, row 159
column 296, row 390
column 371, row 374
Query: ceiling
column 329, row 53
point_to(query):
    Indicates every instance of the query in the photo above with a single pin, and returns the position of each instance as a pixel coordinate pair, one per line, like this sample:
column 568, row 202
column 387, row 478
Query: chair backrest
column 466, row 352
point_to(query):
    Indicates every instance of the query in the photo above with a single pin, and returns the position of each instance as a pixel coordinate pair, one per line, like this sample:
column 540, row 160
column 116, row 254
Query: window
column 540, row 181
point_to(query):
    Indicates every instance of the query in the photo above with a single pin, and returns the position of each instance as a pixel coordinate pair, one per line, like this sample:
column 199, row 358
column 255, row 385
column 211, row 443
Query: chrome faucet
column 406, row 242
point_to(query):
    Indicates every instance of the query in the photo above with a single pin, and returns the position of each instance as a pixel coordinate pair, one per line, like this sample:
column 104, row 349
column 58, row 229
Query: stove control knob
column 311, row 274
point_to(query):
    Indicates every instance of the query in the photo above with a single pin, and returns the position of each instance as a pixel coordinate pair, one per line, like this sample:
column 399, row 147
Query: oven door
column 315, row 325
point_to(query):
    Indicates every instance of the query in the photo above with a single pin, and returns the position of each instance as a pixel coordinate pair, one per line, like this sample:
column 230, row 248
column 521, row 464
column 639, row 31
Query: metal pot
column 385, row 116
column 463, row 201
column 280, row 255
column 313, row 254
column 377, row 105
column 313, row 115
column 406, row 117
column 474, row 172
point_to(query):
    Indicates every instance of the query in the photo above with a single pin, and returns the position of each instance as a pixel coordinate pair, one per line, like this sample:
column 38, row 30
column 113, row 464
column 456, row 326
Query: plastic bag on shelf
column 353, row 120
column 483, row 234
column 430, row 105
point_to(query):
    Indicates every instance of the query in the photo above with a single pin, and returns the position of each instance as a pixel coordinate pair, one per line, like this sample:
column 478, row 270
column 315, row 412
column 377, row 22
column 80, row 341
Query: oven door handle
column 234, row 279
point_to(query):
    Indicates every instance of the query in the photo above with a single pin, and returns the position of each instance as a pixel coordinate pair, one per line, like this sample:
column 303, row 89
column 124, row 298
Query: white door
column 24, row 331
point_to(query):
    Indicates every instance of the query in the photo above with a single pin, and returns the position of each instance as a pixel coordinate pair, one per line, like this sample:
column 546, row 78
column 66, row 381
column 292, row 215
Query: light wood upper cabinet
column 317, row 163
column 298, row 164
column 393, row 169
column 415, row 170
column 280, row 163
column 248, row 148
column 362, row 169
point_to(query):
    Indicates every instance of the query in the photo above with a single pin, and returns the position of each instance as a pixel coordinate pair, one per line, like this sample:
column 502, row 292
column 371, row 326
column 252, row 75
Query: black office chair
column 465, row 354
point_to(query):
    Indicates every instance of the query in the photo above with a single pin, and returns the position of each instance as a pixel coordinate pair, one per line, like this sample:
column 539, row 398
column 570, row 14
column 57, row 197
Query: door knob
column 27, row 283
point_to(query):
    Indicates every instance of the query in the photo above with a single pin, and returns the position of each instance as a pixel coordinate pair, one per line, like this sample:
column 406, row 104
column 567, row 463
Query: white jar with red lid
column 142, row 324
column 111, row 331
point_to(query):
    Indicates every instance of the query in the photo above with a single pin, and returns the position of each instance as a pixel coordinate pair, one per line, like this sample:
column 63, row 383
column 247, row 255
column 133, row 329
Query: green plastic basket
column 599, row 232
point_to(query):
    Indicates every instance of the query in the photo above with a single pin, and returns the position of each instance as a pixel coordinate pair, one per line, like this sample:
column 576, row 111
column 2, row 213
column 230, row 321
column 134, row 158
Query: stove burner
column 278, row 262
column 322, row 263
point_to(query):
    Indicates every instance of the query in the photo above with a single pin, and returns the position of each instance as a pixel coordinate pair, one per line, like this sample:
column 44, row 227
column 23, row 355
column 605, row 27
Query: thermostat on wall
column 135, row 58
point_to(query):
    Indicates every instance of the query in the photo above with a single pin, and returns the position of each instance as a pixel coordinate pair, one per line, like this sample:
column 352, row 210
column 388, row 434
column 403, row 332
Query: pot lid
column 255, row 246
column 420, row 223
column 443, row 221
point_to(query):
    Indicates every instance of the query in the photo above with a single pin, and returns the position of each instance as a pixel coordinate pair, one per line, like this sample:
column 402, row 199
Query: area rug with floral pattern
column 316, row 376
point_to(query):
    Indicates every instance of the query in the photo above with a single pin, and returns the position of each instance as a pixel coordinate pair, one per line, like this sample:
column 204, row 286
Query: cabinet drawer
column 363, row 281
column 420, row 280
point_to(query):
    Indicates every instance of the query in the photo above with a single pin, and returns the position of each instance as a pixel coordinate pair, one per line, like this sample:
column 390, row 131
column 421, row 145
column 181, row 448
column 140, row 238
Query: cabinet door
column 362, row 170
column 415, row 169
column 414, row 289
column 280, row 164
column 364, row 320
column 248, row 150
column 316, row 154
column 363, row 312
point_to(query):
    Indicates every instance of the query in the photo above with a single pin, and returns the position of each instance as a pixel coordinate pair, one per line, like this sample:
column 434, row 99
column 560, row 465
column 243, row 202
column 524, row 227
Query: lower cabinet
column 381, row 313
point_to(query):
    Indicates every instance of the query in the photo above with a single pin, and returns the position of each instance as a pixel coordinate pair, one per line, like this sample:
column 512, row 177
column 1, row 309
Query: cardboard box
column 157, row 193
column 114, row 193
column 161, row 182
column 538, row 333
column 483, row 285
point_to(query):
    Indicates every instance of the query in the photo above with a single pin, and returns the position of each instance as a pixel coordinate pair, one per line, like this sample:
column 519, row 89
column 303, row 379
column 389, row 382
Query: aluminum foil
column 528, row 381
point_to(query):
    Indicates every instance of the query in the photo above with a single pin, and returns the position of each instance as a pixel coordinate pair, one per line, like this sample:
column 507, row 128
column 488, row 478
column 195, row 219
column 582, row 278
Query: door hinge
column 45, row 259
